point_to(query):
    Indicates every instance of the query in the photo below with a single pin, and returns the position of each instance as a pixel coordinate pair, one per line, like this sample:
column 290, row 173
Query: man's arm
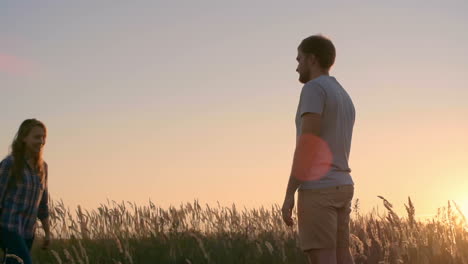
column 311, row 124
column 304, row 147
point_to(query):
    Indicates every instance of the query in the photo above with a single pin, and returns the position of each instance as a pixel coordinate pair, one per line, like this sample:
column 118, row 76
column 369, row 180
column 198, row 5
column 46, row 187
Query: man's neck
column 314, row 75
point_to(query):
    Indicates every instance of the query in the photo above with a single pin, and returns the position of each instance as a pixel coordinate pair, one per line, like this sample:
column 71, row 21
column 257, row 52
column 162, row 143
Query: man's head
column 315, row 56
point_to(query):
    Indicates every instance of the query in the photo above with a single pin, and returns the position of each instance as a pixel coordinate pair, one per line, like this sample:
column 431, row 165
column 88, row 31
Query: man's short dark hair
column 321, row 47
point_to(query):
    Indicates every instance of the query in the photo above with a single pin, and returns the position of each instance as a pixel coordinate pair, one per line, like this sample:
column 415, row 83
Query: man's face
column 302, row 67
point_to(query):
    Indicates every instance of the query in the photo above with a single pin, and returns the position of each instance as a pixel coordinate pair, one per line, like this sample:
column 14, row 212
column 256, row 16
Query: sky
column 172, row 101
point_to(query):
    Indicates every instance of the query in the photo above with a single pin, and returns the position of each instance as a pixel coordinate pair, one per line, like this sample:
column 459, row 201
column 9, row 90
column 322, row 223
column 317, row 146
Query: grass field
column 192, row 233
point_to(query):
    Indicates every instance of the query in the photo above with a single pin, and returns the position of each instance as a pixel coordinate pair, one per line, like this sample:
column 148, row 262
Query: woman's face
column 35, row 140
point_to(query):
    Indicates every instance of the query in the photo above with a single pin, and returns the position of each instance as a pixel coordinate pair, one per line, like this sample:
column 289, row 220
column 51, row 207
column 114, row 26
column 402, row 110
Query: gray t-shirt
column 325, row 96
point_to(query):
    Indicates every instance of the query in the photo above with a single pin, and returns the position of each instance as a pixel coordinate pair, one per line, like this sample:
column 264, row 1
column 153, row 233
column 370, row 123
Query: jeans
column 15, row 245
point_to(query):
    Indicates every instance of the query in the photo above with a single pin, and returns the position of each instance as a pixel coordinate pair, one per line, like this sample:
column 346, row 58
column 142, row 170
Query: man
column 324, row 125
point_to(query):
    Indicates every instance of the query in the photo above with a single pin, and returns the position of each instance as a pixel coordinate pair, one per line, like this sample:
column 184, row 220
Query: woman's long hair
column 18, row 150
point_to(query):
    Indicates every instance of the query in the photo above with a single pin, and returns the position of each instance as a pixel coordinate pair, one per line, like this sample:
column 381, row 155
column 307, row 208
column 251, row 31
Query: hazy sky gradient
column 177, row 100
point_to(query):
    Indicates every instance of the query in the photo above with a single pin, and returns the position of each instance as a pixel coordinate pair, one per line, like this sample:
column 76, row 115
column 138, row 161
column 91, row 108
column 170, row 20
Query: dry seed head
column 269, row 246
column 13, row 256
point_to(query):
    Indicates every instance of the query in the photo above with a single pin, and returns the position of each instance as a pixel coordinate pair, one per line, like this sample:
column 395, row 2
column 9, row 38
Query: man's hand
column 46, row 242
column 287, row 209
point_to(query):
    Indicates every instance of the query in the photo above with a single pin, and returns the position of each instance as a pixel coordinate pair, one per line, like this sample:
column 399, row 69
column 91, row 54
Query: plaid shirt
column 21, row 204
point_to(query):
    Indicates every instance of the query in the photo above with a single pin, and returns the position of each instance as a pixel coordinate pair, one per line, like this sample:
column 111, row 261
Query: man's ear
column 311, row 59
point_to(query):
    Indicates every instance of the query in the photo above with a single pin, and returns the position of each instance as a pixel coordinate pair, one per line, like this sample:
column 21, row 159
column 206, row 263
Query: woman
column 23, row 192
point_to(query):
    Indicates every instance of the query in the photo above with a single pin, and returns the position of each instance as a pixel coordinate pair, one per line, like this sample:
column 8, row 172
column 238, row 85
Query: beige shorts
column 323, row 217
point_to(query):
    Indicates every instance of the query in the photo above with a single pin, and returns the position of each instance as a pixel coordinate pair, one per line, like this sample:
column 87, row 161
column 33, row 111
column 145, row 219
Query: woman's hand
column 46, row 242
column 45, row 225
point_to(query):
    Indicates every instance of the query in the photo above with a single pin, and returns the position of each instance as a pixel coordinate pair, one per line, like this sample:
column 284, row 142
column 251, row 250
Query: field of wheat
column 192, row 233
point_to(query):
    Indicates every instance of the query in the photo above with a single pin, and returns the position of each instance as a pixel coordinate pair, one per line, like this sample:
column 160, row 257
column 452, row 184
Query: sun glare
column 463, row 206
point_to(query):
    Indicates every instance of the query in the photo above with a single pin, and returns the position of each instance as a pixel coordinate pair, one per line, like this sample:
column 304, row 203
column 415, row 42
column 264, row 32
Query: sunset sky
column 180, row 100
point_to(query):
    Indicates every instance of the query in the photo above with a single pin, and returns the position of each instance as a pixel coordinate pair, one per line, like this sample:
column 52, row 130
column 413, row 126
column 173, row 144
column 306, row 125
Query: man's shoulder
column 321, row 83
column 312, row 83
column 313, row 87
column 325, row 81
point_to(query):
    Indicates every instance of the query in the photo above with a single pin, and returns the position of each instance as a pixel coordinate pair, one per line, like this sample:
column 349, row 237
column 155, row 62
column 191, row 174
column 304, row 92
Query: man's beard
column 304, row 77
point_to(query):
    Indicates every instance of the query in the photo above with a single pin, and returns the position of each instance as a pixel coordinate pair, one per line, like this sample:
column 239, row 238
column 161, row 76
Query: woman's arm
column 45, row 225
column 43, row 212
column 5, row 167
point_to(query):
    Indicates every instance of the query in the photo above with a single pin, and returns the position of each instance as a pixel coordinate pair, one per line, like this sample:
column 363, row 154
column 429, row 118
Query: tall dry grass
column 191, row 233
column 394, row 239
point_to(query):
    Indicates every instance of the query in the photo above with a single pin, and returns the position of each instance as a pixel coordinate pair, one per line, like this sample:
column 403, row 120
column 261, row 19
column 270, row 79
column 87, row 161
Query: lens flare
column 14, row 65
column 312, row 159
